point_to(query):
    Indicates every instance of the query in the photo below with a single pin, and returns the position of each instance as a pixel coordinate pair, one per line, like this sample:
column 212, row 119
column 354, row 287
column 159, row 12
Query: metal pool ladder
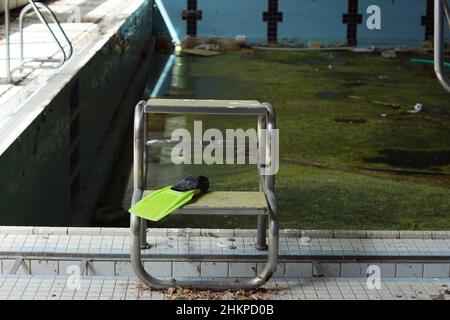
column 441, row 15
column 38, row 7
column 262, row 203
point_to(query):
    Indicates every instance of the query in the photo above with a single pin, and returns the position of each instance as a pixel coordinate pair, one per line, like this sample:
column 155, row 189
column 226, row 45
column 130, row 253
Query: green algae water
column 353, row 154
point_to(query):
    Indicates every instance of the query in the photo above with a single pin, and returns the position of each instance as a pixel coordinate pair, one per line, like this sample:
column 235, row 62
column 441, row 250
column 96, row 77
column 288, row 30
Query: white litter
column 417, row 108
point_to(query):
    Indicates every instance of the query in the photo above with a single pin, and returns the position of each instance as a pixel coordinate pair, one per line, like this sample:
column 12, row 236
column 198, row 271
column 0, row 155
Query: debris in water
column 240, row 39
column 418, row 108
column 389, row 54
column 363, row 50
column 387, row 104
column 355, row 97
column 209, row 46
column 313, row 45
column 427, row 61
column 201, row 52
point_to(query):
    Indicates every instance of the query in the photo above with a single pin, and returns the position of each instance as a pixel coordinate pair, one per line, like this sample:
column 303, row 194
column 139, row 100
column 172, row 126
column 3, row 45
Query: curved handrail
column 266, row 180
column 36, row 6
column 8, row 42
column 441, row 13
column 255, row 282
column 138, row 168
column 447, row 13
column 56, row 21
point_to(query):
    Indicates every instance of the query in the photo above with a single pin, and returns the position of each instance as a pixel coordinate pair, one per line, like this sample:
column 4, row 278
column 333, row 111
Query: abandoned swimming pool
column 353, row 151
column 347, row 174
column 363, row 145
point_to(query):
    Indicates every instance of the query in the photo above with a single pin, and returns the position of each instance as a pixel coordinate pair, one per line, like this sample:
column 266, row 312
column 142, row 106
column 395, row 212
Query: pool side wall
column 303, row 21
column 50, row 162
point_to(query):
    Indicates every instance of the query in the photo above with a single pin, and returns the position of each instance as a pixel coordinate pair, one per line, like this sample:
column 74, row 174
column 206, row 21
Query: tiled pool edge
column 225, row 253
column 289, row 233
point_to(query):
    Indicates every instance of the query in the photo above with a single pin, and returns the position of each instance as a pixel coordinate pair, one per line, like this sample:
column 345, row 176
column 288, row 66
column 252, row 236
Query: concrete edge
column 34, row 104
column 289, row 233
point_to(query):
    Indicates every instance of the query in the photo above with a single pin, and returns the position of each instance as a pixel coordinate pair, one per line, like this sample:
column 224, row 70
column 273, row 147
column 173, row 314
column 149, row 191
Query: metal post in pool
column 441, row 14
column 8, row 49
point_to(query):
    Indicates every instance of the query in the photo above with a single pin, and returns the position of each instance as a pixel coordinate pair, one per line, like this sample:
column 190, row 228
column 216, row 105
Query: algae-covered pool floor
column 353, row 154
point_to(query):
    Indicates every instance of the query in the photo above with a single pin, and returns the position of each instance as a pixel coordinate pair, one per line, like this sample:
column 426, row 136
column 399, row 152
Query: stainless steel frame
column 441, row 14
column 266, row 120
column 37, row 7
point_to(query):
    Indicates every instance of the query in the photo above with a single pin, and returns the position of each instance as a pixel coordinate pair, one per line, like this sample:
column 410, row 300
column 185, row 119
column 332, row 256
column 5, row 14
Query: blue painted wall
column 174, row 9
column 233, row 17
column 305, row 20
column 401, row 22
column 312, row 20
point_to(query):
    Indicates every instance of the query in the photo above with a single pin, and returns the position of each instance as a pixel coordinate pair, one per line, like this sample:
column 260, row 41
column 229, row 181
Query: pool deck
column 13, row 287
column 98, row 20
column 313, row 264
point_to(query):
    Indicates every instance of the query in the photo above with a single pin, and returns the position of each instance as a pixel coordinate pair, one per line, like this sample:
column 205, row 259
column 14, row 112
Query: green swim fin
column 163, row 202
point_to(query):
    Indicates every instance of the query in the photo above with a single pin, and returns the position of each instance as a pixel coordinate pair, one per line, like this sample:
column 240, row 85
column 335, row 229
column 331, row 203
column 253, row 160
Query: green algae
column 338, row 196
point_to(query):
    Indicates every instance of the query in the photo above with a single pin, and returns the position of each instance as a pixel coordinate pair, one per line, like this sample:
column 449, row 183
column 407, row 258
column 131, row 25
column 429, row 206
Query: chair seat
column 217, row 107
column 225, row 203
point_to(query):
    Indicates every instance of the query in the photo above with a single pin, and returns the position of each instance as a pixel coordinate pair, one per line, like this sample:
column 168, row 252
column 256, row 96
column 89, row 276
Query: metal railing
column 266, row 120
column 441, row 15
column 38, row 8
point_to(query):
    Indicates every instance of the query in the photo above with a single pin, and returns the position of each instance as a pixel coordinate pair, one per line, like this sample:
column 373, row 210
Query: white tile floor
column 114, row 278
column 111, row 246
column 121, row 288
column 218, row 244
